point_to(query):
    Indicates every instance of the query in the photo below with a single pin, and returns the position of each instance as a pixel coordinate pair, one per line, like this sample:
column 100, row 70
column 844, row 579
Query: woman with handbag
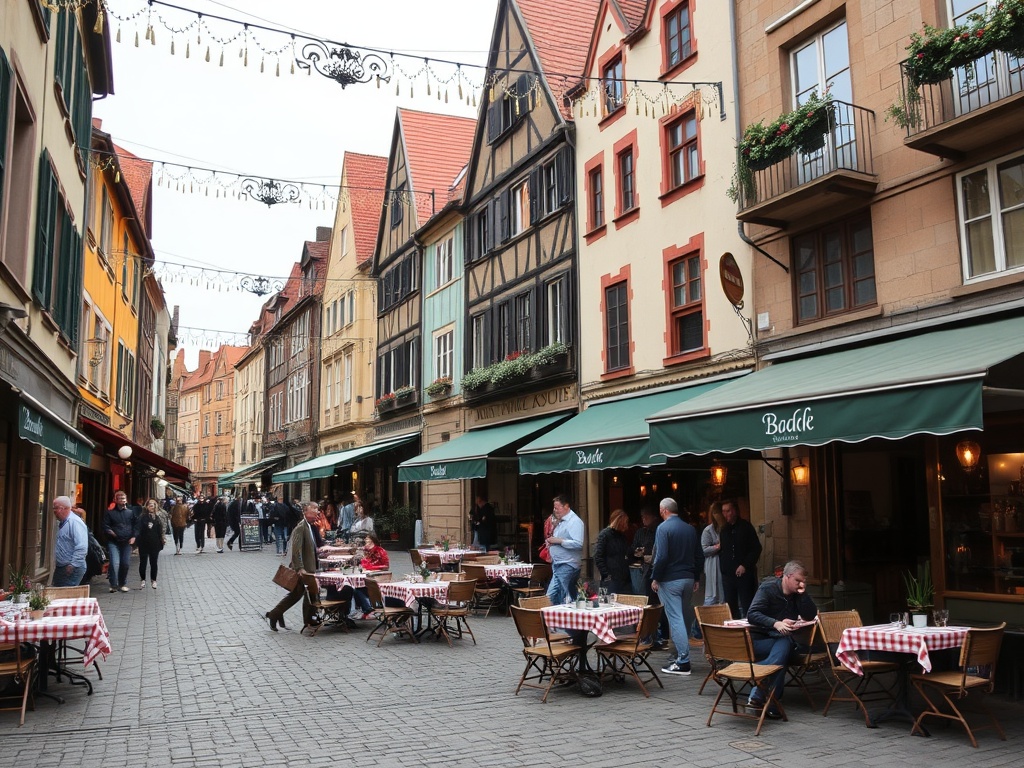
column 149, row 538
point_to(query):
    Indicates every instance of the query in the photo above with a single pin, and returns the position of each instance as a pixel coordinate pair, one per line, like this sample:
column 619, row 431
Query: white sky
column 293, row 126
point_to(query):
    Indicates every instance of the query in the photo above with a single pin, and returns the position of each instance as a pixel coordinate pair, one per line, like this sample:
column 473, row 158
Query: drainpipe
column 739, row 128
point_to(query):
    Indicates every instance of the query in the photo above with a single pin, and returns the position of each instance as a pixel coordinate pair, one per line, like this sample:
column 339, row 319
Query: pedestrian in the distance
column 235, row 519
column 179, row 522
column 220, row 523
column 149, row 537
column 119, row 526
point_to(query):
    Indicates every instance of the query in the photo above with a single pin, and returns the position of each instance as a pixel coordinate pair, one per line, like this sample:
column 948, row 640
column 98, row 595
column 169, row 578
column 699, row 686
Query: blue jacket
column 119, row 524
column 677, row 551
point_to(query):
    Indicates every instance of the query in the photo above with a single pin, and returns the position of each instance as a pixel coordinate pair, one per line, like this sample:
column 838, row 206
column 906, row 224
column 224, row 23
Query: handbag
column 286, row 577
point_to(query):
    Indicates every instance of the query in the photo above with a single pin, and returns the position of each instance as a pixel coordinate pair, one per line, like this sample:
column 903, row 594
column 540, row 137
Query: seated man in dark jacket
column 780, row 607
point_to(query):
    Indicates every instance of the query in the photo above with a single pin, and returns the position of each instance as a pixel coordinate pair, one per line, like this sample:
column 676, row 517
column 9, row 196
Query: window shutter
column 61, row 297
column 493, row 121
column 491, row 236
column 564, row 175
column 45, row 208
column 5, row 115
column 537, row 195
column 503, row 222
column 523, row 94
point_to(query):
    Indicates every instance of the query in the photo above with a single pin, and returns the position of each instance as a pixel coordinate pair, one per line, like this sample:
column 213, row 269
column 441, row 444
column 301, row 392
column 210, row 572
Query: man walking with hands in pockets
column 678, row 563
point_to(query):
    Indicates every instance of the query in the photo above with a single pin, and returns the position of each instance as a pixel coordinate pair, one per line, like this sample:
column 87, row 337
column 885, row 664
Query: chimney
column 323, row 234
column 204, row 359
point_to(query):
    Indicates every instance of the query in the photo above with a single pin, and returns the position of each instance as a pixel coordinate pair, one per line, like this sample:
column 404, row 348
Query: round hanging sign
column 732, row 279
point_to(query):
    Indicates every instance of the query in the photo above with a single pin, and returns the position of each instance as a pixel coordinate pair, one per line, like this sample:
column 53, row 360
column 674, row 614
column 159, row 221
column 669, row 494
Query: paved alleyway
column 197, row 679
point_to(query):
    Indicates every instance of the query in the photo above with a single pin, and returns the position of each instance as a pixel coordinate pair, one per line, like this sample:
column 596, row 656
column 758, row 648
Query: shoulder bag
column 286, row 577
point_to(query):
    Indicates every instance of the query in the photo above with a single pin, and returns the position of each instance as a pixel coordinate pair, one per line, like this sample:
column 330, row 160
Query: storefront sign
column 438, row 470
column 586, row 459
column 788, row 428
column 37, row 428
column 556, row 399
column 732, row 280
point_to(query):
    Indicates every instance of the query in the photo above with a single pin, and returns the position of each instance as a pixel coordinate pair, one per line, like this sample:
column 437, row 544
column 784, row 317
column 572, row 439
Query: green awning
column 41, row 426
column 607, row 435
column 250, row 472
column 927, row 383
column 465, row 457
column 325, row 466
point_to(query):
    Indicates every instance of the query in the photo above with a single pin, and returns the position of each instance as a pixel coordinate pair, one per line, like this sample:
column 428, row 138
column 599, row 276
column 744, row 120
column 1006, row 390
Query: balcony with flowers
column 962, row 88
column 805, row 162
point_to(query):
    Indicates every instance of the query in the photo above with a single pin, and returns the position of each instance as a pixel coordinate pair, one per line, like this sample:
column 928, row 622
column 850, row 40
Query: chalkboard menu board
column 251, row 538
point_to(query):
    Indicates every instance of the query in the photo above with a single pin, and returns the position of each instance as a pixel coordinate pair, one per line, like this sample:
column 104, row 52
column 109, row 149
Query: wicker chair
column 848, row 685
column 545, row 659
column 737, row 670
column 978, row 658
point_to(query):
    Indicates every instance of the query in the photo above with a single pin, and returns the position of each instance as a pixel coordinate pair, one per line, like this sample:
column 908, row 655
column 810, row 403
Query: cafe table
column 336, row 560
column 411, row 592
column 917, row 642
column 602, row 621
column 448, row 555
column 339, row 579
column 330, row 549
column 508, row 572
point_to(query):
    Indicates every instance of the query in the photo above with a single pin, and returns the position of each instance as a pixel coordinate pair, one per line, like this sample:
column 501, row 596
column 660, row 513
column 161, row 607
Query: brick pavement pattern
column 198, row 679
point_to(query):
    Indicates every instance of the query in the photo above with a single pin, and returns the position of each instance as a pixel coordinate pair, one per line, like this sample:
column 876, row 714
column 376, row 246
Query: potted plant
column 20, row 584
column 440, row 387
column 920, row 593
column 157, row 427
column 385, row 402
column 396, row 519
column 404, row 393
column 37, row 603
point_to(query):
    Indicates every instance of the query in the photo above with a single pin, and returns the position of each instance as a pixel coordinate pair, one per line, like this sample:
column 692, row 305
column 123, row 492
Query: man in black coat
column 201, row 514
column 235, row 520
column 220, row 522
column 737, row 559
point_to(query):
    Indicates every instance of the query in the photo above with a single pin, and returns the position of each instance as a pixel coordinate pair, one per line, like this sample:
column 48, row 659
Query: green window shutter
column 74, row 287
column 5, row 117
column 60, row 55
column 45, row 221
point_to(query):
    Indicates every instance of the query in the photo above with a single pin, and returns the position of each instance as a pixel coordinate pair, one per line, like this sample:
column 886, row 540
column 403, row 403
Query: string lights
column 220, row 39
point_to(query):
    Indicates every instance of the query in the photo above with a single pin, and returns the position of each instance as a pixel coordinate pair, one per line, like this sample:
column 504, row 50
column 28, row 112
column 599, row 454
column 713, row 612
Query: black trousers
column 200, row 531
column 265, row 532
column 299, row 593
column 151, row 555
column 234, row 536
column 739, row 592
column 179, row 537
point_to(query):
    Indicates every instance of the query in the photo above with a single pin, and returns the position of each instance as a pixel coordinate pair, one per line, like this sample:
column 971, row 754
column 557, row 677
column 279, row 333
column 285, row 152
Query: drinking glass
column 941, row 617
column 895, row 618
column 603, row 594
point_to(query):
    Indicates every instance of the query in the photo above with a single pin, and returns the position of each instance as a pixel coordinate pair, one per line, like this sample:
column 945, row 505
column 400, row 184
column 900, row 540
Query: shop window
column 991, row 211
column 834, row 269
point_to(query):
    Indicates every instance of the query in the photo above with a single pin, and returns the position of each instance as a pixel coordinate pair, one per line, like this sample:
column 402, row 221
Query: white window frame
column 348, row 378
column 444, row 265
column 444, row 352
column 556, row 330
column 519, row 209
column 995, row 215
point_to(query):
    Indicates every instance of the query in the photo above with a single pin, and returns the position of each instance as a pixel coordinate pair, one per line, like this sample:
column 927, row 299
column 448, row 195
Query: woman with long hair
column 610, row 555
column 709, row 541
column 149, row 538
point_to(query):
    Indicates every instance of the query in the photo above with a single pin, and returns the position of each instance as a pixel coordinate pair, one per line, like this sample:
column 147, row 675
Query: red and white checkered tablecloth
column 408, row 591
column 339, row 579
column 447, row 556
column 73, row 606
column 506, row 572
column 62, row 628
column 601, row 621
column 327, row 549
column 889, row 637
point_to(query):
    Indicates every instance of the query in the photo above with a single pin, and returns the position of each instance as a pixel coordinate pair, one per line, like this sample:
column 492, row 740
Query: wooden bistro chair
column 847, row 685
column 451, row 617
column 488, row 559
column 640, row 601
column 416, row 557
column 20, row 671
column 737, row 671
column 490, row 593
column 811, row 660
column 545, row 658
column 331, row 611
column 62, row 657
column 390, row 619
column 453, row 576
column 433, row 562
column 978, row 657
column 710, row 614
column 64, row 593
column 537, row 585
column 534, row 603
column 629, row 654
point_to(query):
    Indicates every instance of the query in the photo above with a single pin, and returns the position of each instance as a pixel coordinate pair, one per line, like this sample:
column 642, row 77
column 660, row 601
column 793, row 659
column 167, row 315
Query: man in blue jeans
column 71, row 546
column 678, row 563
column 119, row 525
column 780, row 607
column 565, row 544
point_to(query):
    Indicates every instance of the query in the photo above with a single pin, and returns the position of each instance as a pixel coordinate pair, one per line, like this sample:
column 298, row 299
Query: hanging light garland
column 345, row 64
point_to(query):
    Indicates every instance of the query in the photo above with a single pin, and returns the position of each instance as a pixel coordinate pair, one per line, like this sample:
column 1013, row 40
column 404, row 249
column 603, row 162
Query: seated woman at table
column 375, row 558
column 361, row 525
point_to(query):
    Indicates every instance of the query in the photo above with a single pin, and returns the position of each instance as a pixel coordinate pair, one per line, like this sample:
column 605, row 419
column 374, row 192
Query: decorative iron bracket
column 343, row 64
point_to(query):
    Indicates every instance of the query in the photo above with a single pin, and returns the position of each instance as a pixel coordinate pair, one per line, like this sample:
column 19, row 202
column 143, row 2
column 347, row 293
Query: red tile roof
column 436, row 148
column 560, row 33
column 633, row 11
column 366, row 177
column 138, row 175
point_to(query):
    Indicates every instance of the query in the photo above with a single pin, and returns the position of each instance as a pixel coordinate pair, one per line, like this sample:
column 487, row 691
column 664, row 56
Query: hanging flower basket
column 805, row 129
column 936, row 53
column 404, row 394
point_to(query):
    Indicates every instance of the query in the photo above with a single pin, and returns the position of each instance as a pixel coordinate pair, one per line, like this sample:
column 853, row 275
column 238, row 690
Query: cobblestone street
column 198, row 679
